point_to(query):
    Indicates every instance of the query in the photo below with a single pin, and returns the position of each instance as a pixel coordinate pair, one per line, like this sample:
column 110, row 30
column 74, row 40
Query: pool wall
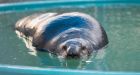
column 24, row 70
column 59, row 3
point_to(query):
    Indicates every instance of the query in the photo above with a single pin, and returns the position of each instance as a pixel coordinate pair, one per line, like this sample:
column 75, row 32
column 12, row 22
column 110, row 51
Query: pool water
column 122, row 25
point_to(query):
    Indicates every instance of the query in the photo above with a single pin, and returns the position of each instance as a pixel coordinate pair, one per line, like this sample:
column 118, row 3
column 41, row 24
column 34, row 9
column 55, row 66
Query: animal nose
column 73, row 51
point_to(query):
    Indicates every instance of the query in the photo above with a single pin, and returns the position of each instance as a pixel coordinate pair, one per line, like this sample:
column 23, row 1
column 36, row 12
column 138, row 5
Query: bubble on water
column 88, row 61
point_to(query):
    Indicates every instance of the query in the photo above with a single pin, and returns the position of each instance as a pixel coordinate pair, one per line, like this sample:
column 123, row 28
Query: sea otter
column 72, row 34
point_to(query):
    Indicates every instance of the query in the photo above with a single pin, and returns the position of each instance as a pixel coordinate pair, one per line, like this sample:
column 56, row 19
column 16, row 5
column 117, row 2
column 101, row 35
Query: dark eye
column 83, row 47
column 64, row 47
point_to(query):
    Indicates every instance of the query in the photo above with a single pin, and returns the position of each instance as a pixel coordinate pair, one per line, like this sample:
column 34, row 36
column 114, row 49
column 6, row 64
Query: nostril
column 73, row 53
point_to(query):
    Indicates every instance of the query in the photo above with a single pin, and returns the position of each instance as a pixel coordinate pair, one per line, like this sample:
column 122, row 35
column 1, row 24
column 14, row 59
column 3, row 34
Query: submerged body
column 68, row 34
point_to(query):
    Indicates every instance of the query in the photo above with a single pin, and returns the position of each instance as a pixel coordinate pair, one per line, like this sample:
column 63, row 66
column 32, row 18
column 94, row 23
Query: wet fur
column 46, row 31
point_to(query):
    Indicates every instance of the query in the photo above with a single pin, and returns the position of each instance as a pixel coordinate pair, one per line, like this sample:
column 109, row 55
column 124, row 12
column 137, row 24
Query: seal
column 72, row 34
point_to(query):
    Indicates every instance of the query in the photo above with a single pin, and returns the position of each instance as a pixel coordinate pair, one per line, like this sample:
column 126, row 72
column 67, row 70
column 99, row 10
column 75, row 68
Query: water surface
column 122, row 25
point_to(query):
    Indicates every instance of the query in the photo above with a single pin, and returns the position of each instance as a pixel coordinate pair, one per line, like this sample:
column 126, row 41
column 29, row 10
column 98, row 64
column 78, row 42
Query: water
column 122, row 24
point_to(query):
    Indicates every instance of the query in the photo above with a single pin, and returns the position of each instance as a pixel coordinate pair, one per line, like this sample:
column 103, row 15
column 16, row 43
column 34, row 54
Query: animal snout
column 73, row 51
